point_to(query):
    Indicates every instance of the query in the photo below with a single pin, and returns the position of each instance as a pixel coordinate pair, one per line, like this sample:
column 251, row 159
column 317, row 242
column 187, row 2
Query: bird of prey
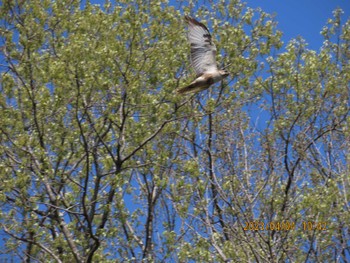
column 203, row 52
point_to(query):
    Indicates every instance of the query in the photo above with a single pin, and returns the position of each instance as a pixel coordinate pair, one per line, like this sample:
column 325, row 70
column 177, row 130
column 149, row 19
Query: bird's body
column 203, row 53
column 202, row 82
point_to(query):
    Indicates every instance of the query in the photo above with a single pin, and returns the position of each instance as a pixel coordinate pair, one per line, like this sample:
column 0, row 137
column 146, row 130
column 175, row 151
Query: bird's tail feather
column 186, row 89
column 192, row 88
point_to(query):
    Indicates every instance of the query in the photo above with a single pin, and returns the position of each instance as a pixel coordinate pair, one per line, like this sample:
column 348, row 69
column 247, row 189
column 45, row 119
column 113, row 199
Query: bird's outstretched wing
column 203, row 50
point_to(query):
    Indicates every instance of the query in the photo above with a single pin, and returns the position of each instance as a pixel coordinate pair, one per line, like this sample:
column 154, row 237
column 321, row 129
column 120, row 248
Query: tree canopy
column 101, row 161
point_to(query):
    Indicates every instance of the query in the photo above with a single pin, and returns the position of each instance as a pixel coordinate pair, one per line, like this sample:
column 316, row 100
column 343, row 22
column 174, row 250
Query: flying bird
column 203, row 52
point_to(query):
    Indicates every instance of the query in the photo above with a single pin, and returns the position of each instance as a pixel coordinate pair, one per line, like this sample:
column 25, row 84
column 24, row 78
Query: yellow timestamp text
column 283, row 226
column 308, row 225
column 275, row 225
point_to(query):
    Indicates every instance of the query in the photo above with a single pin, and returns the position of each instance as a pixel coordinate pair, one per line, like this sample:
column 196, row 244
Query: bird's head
column 224, row 73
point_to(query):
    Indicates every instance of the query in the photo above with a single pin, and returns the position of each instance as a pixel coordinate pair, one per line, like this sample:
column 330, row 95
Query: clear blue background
column 302, row 17
column 295, row 18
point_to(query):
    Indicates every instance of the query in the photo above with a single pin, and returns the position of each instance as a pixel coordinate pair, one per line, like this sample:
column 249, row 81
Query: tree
column 102, row 162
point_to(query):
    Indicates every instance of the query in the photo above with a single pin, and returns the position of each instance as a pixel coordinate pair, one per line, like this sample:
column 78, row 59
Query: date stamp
column 284, row 226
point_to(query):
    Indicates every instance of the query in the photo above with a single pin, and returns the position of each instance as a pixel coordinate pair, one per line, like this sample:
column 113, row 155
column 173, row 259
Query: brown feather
column 191, row 20
column 192, row 88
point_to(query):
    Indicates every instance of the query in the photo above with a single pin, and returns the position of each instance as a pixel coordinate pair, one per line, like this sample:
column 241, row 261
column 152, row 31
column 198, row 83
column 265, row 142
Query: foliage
column 101, row 161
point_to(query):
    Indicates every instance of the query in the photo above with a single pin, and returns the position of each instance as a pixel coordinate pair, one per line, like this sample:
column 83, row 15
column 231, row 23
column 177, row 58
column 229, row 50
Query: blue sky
column 296, row 17
column 302, row 17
